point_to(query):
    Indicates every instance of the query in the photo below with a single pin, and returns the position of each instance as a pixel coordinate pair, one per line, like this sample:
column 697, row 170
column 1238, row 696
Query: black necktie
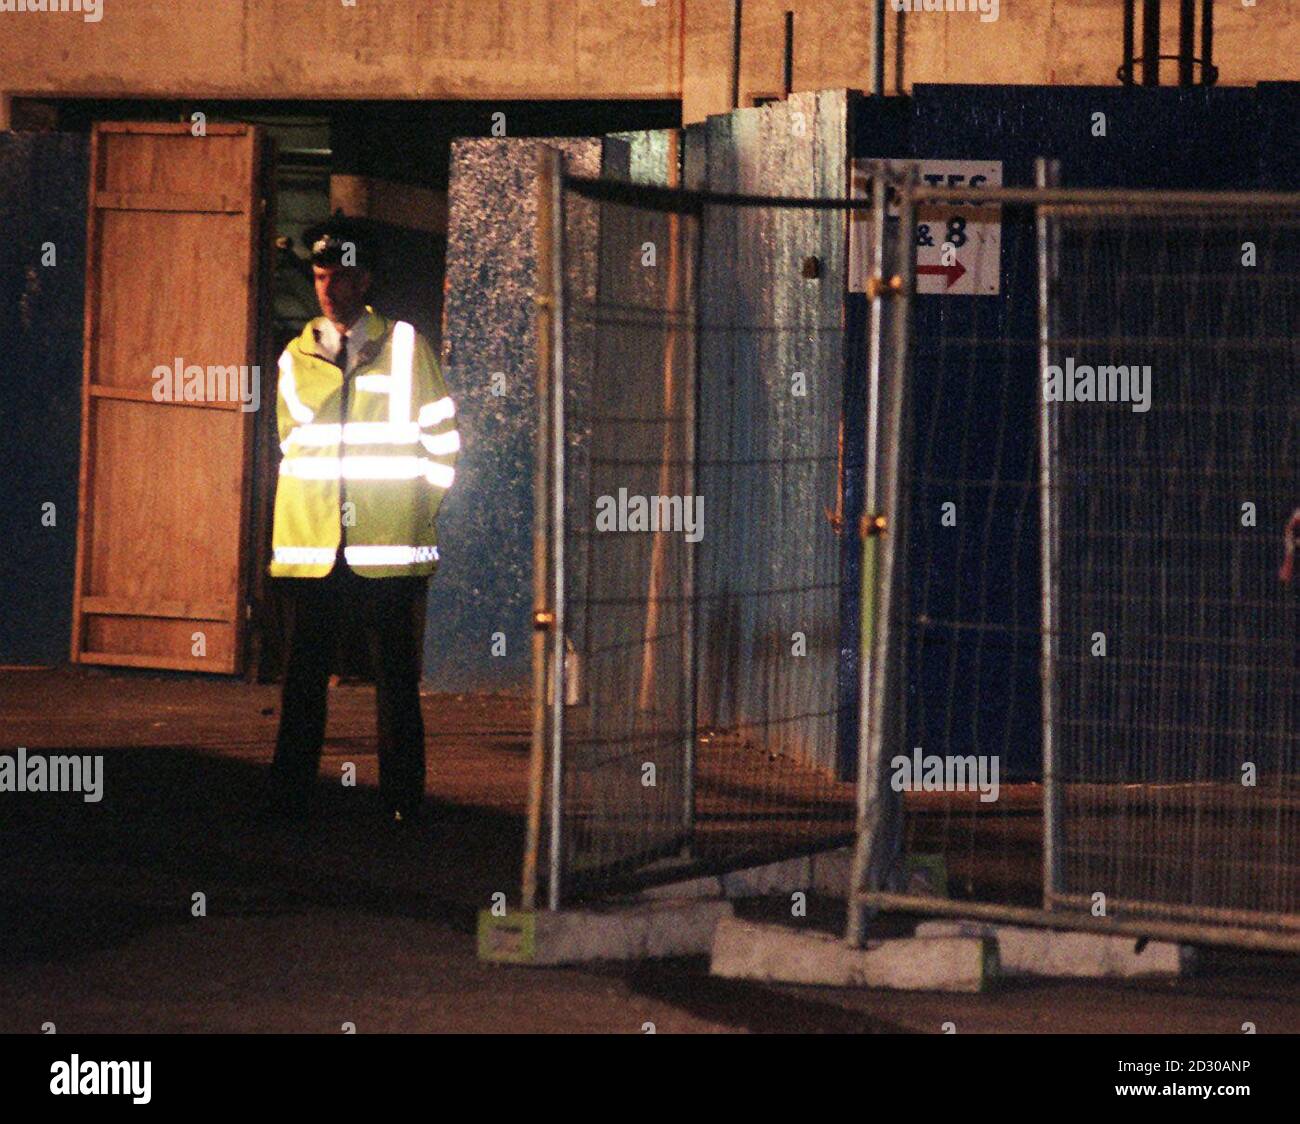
column 342, row 360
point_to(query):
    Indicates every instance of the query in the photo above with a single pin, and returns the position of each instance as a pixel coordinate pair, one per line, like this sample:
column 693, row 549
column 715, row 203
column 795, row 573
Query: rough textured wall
column 1048, row 42
column 542, row 49
column 385, row 49
column 484, row 584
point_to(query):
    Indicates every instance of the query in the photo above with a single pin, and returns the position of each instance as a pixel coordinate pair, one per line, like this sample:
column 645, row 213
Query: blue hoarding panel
column 42, row 287
column 975, row 366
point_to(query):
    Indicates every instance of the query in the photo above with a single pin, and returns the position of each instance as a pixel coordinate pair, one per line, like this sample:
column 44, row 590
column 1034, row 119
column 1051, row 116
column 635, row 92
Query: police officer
column 369, row 443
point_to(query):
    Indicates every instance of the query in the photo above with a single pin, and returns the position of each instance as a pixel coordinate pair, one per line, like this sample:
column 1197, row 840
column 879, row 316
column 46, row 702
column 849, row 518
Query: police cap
column 341, row 240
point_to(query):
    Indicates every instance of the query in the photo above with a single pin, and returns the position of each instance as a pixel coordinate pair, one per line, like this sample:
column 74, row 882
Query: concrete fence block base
column 777, row 954
column 1026, row 951
column 644, row 931
column 825, row 873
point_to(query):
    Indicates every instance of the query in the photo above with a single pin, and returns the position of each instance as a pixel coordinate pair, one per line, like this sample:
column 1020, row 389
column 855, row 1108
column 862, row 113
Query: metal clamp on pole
column 879, row 287
column 873, row 525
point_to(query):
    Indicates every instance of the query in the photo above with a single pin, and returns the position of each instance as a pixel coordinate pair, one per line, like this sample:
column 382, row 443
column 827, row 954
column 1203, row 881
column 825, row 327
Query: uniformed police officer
column 369, row 442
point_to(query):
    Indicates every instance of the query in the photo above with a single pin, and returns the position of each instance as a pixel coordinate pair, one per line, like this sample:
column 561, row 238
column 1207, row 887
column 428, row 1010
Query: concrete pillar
column 417, row 208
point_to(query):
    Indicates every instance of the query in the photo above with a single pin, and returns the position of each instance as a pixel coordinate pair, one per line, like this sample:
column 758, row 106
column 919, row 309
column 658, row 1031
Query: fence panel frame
column 546, row 744
column 711, row 835
column 1047, row 174
column 879, row 809
column 866, row 892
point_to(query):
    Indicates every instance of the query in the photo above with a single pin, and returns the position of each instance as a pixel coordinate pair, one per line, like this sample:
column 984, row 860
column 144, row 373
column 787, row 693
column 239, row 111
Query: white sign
column 958, row 245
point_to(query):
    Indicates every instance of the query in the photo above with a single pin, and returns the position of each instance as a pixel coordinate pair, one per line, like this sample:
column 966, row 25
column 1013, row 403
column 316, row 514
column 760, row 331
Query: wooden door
column 172, row 275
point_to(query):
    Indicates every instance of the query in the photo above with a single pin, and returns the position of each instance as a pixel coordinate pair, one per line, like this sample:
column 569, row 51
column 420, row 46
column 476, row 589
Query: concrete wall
column 1039, row 42
column 543, row 49
column 333, row 49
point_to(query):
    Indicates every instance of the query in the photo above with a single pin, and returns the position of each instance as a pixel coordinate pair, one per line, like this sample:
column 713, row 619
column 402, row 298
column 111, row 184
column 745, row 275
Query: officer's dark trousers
column 390, row 611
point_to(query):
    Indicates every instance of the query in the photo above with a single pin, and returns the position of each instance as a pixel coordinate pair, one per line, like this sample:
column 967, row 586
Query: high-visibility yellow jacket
column 373, row 480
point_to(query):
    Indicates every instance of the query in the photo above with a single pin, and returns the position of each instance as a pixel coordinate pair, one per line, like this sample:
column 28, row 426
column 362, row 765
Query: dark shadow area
column 174, row 822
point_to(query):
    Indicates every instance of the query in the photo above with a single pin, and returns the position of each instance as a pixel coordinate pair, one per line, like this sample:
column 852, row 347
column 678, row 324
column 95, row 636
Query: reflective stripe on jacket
column 392, row 458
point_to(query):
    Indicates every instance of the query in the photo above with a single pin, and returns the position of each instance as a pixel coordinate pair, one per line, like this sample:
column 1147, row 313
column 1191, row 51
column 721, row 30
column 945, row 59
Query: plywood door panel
column 186, row 301
column 173, row 162
column 148, row 477
column 172, row 268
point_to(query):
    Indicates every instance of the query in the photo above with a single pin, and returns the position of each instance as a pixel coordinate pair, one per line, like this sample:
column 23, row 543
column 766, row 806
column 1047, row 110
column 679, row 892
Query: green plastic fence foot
column 511, row 939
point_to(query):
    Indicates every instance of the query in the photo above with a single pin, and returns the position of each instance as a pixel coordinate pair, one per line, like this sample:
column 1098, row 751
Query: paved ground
column 343, row 921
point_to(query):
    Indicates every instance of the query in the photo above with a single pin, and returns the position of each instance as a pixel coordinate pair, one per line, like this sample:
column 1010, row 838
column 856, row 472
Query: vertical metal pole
column 737, row 13
column 900, row 52
column 788, row 73
column 1186, row 42
column 1130, row 17
column 1047, row 174
column 543, row 618
column 1207, row 43
column 557, row 435
column 893, row 585
column 690, row 602
column 1151, row 42
column 887, row 700
column 878, row 48
column 873, row 796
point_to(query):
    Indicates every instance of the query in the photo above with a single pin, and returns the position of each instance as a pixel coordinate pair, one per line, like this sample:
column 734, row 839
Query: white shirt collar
column 327, row 336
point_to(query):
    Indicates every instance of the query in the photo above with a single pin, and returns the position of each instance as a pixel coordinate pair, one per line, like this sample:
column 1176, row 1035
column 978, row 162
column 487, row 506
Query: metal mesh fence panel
column 1097, row 682
column 629, row 485
column 968, row 765
column 702, row 396
column 773, row 364
column 1091, row 683
column 1177, row 733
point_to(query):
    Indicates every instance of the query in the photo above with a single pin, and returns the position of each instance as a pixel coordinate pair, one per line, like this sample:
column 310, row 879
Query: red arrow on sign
column 953, row 272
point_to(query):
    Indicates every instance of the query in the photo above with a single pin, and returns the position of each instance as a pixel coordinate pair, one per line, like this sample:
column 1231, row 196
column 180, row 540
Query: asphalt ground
column 344, row 920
